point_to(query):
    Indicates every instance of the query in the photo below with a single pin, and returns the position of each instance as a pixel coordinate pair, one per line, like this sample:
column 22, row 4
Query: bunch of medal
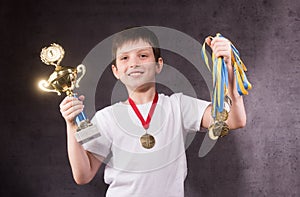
column 219, row 128
column 221, row 102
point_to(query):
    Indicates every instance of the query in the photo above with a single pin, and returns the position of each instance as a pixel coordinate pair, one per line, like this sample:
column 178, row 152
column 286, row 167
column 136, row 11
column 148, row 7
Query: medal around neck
column 147, row 140
column 65, row 79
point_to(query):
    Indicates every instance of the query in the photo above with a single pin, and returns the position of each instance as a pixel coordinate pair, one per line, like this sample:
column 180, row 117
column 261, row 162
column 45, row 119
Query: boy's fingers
column 70, row 99
column 81, row 98
column 67, row 99
column 73, row 109
column 64, row 101
column 74, row 114
column 71, row 113
column 218, row 40
column 71, row 104
column 208, row 41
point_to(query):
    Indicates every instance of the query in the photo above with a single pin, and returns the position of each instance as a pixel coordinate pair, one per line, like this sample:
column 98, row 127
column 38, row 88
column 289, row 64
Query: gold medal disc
column 147, row 141
column 225, row 130
column 217, row 129
column 222, row 116
column 220, row 129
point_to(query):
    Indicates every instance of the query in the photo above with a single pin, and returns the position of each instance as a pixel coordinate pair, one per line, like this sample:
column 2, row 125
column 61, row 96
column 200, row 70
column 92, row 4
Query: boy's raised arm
column 83, row 164
column 237, row 116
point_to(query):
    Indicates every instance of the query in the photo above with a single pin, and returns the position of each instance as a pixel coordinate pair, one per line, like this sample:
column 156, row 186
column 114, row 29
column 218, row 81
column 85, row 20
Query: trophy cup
column 66, row 79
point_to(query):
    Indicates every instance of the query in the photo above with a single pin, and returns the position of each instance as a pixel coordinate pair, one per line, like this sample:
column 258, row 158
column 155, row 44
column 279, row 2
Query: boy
column 143, row 137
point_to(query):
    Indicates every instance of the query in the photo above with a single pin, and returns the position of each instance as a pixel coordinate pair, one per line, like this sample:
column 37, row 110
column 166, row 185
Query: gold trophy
column 66, row 79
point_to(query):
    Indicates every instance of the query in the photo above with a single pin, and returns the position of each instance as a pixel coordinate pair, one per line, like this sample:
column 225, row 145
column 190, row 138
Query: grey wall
column 259, row 160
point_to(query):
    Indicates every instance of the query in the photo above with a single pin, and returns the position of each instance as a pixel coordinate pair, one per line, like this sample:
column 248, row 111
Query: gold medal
column 220, row 129
column 222, row 116
column 217, row 129
column 211, row 133
column 225, row 130
column 147, row 141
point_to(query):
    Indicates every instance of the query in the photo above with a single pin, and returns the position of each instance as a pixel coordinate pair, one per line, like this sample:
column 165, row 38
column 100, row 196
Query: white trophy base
column 87, row 134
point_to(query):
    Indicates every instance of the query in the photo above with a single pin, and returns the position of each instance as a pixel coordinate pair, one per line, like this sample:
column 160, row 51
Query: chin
column 142, row 86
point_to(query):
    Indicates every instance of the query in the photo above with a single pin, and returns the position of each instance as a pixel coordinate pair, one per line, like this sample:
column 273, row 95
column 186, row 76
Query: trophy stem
column 81, row 119
column 70, row 93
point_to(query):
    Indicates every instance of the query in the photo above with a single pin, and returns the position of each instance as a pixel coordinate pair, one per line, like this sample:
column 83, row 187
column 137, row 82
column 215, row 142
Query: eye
column 143, row 55
column 123, row 58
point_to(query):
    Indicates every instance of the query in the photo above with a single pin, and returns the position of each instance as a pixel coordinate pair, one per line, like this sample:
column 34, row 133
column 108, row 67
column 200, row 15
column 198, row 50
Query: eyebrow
column 138, row 51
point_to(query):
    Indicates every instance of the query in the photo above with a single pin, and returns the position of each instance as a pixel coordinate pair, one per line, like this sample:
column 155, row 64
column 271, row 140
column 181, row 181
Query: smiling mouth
column 135, row 74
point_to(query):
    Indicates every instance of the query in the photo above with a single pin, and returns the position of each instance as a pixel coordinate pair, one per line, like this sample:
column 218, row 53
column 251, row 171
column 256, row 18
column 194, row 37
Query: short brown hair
column 132, row 35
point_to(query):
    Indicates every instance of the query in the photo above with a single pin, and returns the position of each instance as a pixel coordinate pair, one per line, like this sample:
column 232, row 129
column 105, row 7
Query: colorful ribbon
column 239, row 72
column 220, row 76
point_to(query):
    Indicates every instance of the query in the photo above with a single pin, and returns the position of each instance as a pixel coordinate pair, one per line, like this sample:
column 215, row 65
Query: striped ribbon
column 239, row 72
column 220, row 76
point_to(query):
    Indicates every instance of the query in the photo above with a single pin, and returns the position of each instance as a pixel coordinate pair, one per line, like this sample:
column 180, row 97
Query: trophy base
column 87, row 134
column 84, row 124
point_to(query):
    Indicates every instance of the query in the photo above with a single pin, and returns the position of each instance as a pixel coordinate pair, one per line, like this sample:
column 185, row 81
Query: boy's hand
column 70, row 107
column 220, row 47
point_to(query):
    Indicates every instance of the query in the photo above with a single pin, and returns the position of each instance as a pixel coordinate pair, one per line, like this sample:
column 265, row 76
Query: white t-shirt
column 134, row 171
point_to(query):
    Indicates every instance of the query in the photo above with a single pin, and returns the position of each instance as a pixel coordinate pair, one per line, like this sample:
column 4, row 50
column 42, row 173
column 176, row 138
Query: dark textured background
column 260, row 160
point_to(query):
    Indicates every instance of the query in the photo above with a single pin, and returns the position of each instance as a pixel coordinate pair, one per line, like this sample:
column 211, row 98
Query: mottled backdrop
column 260, row 160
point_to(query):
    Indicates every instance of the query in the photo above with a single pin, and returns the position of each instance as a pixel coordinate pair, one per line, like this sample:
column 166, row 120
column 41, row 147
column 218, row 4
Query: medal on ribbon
column 221, row 102
column 147, row 140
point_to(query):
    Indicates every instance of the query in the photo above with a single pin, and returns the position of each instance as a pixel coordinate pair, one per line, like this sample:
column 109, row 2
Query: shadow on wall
column 216, row 174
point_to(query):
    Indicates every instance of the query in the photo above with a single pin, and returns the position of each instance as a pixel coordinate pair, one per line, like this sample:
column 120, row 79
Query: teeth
column 135, row 74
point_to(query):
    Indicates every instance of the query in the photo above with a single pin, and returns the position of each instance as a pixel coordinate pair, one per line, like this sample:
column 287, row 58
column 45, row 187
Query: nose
column 134, row 62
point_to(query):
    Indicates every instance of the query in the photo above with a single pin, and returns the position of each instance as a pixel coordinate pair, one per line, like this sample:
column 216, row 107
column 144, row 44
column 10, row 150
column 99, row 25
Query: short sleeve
column 192, row 111
column 100, row 146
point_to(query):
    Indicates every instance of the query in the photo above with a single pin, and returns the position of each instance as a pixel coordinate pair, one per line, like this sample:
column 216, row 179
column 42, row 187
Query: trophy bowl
column 63, row 79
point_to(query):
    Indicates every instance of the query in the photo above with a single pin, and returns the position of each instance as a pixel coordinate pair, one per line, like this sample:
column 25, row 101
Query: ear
column 159, row 65
column 115, row 71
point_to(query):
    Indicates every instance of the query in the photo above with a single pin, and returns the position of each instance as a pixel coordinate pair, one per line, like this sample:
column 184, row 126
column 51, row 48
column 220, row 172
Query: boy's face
column 135, row 65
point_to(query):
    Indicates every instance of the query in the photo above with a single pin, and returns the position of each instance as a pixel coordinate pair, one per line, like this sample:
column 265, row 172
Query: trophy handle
column 44, row 85
column 80, row 69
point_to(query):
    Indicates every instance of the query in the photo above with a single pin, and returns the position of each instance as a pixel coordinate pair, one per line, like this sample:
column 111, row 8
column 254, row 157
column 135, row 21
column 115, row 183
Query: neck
column 142, row 95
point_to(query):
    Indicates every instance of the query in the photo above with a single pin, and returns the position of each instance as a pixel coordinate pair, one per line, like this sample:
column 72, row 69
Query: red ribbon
column 139, row 115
